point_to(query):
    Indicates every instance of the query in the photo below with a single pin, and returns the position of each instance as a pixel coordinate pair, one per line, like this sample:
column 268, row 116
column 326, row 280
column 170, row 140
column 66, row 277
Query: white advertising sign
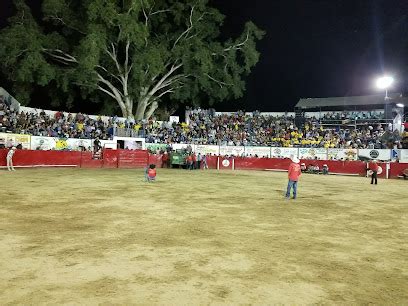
column 42, row 143
column 175, row 119
column 342, row 154
column 179, row 146
column 10, row 140
column 403, row 156
column 207, row 149
column 259, row 151
column 380, row 154
column 284, row 152
column 313, row 153
column 78, row 144
column 232, row 150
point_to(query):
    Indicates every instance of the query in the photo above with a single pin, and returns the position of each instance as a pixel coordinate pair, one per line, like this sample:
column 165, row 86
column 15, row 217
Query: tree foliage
column 133, row 52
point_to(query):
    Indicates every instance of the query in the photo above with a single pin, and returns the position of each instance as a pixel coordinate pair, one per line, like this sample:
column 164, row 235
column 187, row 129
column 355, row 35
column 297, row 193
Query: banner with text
column 342, row 154
column 207, row 149
column 62, row 144
column 312, row 153
column 284, row 152
column 232, row 150
column 258, row 151
column 10, row 140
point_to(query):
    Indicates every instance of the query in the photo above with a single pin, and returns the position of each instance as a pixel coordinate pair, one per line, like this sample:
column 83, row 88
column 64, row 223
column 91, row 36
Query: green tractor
column 178, row 159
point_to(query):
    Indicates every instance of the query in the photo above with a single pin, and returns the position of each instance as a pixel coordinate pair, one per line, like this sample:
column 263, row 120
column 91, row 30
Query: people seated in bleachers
column 209, row 128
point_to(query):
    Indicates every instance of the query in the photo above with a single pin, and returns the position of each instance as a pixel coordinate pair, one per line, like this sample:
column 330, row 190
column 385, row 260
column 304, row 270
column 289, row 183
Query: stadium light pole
column 384, row 83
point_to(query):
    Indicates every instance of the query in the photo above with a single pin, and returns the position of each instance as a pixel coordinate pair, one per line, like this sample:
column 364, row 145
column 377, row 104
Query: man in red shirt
column 165, row 158
column 194, row 161
column 374, row 168
column 190, row 162
column 293, row 174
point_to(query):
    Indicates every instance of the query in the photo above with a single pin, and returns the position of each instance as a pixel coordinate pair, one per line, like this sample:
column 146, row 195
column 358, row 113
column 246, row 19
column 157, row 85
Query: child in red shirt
column 294, row 173
column 150, row 173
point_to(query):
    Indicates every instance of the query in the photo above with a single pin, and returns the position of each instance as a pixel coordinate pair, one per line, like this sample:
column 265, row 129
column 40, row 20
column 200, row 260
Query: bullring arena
column 104, row 236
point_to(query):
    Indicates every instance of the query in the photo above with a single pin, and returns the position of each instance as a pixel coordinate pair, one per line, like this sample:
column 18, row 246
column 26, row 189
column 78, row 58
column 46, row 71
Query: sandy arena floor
column 72, row 236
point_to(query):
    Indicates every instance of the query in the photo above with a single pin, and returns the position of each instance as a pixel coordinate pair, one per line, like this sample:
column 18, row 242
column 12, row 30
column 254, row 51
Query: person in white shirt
column 10, row 159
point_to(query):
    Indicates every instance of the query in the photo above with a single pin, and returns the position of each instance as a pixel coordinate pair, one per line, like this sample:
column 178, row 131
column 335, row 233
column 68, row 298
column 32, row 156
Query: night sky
column 313, row 48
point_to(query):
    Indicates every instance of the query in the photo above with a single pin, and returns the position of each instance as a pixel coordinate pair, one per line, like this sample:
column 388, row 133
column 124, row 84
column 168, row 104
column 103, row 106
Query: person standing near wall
column 293, row 176
column 199, row 161
column 10, row 159
column 204, row 161
column 373, row 168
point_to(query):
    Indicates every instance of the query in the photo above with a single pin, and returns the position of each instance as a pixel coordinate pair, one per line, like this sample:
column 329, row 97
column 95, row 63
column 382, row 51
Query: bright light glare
column 400, row 105
column 385, row 82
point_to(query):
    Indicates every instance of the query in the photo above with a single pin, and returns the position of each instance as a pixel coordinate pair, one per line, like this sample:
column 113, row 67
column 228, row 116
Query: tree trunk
column 141, row 108
column 151, row 109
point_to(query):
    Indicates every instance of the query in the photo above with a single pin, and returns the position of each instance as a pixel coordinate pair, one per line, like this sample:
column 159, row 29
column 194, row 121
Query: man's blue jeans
column 291, row 184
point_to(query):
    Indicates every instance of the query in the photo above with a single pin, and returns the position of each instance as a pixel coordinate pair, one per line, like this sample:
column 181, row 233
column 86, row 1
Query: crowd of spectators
column 58, row 125
column 208, row 128
column 353, row 115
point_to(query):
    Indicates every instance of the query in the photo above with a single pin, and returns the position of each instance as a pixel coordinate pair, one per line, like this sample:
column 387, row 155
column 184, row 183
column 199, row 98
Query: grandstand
column 355, row 110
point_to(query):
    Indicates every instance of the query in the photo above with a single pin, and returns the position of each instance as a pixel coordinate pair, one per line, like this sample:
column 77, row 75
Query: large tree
column 134, row 52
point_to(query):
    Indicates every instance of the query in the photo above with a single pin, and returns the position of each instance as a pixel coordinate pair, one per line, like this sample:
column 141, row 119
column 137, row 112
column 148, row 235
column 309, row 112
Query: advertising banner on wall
column 43, row 143
column 154, row 147
column 181, row 146
column 73, row 144
column 61, row 144
column 9, row 140
column 207, row 149
column 259, row 151
column 342, row 154
column 232, row 150
column 284, row 152
column 312, row 153
column 380, row 154
column 403, row 156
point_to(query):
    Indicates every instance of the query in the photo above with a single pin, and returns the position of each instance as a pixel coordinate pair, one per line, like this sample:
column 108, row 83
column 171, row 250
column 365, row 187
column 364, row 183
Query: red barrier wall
column 140, row 158
column 111, row 159
column 132, row 158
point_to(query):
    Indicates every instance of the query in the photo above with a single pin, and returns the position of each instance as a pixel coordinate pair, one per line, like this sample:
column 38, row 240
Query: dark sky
column 314, row 48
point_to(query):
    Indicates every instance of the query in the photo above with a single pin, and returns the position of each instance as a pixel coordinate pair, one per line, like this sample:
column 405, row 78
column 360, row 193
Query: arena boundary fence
column 132, row 159
column 110, row 159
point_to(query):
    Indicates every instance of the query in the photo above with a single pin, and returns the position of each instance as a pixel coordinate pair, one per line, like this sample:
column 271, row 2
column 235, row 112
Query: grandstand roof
column 350, row 101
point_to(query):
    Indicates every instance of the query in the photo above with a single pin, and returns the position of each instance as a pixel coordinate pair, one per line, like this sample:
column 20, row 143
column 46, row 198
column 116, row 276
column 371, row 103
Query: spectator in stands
column 97, row 145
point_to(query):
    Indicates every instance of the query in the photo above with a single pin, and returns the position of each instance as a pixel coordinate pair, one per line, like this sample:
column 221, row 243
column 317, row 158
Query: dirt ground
column 72, row 236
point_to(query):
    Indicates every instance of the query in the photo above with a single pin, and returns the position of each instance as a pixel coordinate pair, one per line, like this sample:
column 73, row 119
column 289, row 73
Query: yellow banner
column 15, row 140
